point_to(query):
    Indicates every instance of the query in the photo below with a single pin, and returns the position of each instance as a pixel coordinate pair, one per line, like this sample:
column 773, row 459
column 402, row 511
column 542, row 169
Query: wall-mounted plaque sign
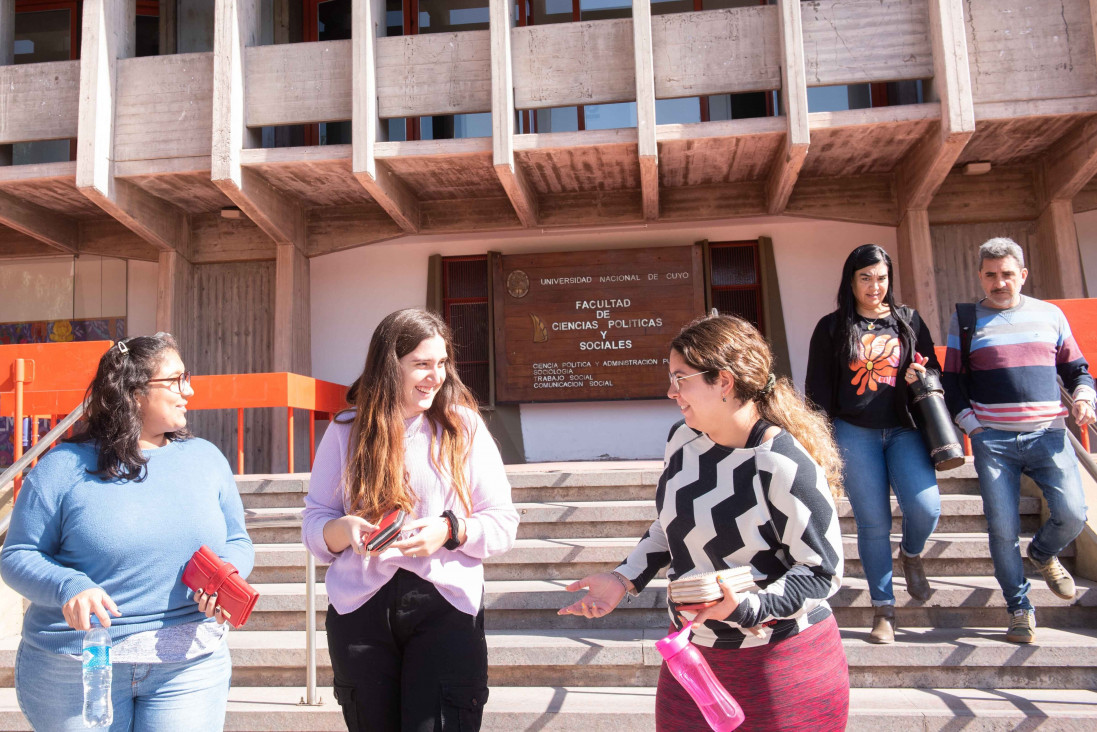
column 575, row 326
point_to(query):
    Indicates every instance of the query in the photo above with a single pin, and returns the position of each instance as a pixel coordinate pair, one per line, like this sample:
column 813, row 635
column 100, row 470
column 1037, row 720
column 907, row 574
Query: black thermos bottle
column 932, row 415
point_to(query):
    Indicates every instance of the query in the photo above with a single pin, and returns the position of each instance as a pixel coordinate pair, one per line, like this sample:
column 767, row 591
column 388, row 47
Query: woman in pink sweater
column 406, row 624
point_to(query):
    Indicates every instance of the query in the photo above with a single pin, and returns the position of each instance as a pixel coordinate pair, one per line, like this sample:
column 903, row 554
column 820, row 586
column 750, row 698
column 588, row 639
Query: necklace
column 872, row 323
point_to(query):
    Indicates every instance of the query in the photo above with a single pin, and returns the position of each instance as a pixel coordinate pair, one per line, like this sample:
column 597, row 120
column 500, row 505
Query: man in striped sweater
column 1006, row 398
column 1007, row 401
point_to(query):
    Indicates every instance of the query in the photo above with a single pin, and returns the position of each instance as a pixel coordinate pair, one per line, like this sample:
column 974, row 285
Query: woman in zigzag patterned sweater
column 747, row 481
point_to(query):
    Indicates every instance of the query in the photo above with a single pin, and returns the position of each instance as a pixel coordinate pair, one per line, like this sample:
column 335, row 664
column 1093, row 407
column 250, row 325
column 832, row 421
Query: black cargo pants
column 408, row 661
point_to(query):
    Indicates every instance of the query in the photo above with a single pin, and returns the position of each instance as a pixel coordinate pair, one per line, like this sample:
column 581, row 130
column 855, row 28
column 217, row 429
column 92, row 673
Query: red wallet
column 387, row 531
column 208, row 572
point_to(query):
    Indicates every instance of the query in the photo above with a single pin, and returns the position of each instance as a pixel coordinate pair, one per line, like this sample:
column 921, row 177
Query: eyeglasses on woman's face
column 178, row 384
column 676, row 379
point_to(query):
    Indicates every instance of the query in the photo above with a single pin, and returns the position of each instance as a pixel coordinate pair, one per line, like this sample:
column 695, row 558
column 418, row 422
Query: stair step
column 609, row 709
column 949, row 554
column 593, row 519
column 970, row 657
column 621, row 480
column 526, row 604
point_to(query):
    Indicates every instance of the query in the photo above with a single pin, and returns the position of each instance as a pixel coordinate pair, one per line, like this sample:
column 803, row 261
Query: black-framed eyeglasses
column 178, row 384
column 676, row 380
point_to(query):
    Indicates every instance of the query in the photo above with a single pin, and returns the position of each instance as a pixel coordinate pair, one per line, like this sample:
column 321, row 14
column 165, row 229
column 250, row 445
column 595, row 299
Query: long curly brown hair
column 728, row 343
column 375, row 478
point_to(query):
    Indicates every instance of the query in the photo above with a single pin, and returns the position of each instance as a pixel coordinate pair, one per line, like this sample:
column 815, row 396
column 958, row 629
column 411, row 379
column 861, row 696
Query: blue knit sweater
column 71, row 531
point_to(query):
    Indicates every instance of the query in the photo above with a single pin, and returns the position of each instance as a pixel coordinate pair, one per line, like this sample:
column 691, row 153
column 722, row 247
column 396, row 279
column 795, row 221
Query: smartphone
column 387, row 530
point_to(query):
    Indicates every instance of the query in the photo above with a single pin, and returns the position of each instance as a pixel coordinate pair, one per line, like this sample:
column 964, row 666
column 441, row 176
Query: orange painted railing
column 48, row 380
column 281, row 389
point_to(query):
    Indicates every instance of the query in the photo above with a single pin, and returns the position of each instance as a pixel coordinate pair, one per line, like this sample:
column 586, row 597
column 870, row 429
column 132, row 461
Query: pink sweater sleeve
column 324, row 501
column 493, row 525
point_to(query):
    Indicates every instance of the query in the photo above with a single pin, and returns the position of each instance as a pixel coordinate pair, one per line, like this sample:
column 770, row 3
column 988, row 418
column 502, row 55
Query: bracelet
column 625, row 583
column 454, row 530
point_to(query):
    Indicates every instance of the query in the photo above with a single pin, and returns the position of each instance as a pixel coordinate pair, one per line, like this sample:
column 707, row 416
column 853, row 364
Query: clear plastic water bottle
column 98, row 709
column 686, row 663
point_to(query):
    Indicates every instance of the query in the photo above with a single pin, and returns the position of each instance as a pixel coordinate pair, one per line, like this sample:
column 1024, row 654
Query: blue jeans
column 1046, row 457
column 148, row 697
column 876, row 459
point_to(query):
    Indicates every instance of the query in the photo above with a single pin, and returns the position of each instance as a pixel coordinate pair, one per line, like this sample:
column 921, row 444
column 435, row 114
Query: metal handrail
column 33, row 453
column 1084, row 457
column 310, row 630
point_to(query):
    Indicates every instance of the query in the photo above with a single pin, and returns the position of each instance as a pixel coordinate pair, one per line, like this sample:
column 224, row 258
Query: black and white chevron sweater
column 767, row 506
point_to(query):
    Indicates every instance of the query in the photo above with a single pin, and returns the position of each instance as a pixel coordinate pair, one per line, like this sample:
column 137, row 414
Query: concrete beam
column 7, row 55
column 109, row 35
column 917, row 280
column 521, row 193
column 49, row 227
column 794, row 105
column 1071, row 162
column 923, row 170
column 236, row 27
column 379, row 181
column 648, row 149
column 174, row 311
column 1058, row 257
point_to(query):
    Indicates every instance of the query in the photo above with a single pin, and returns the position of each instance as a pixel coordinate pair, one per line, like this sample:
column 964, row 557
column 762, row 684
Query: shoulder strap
column 965, row 319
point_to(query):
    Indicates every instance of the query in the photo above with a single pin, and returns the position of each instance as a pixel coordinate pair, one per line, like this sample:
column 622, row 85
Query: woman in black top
column 862, row 358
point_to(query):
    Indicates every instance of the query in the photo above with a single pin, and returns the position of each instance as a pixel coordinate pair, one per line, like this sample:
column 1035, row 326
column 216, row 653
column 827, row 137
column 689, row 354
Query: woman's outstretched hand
column 604, row 593
column 78, row 610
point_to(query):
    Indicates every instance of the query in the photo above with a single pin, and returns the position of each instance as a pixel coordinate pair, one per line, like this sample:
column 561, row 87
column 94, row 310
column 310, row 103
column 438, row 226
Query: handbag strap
column 218, row 578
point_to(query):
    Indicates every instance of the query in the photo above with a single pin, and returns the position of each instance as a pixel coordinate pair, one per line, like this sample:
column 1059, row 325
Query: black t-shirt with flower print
column 832, row 385
column 866, row 388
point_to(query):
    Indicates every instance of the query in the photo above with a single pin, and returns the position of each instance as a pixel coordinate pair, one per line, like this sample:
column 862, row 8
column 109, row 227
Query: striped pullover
column 1015, row 356
column 767, row 507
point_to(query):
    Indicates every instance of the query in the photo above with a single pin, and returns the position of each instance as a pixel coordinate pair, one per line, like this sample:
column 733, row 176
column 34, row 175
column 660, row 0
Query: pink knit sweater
column 459, row 574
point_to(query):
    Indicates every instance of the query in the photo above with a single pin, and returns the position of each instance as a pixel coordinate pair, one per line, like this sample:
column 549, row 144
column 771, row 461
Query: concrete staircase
column 949, row 669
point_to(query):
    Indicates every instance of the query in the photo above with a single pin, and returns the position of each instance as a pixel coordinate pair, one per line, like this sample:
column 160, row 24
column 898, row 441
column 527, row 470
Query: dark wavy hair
column 375, row 477
column 112, row 414
column 863, row 256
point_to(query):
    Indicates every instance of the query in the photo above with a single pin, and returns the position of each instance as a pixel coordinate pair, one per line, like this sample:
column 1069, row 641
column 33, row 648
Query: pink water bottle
column 692, row 671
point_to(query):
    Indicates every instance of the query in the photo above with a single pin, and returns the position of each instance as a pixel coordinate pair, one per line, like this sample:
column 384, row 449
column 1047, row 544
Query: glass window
column 414, row 17
column 42, row 36
column 465, row 309
column 736, row 286
column 610, row 116
column 604, row 9
column 333, row 20
column 544, row 12
column 677, row 111
column 441, row 16
column 148, row 35
column 863, row 96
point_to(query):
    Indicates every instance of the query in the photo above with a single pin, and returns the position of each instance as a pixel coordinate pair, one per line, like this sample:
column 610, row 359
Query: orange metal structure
column 48, row 380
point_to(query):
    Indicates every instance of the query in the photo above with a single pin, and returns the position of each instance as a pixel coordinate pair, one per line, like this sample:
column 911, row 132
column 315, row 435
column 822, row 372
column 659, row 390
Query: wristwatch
column 454, row 530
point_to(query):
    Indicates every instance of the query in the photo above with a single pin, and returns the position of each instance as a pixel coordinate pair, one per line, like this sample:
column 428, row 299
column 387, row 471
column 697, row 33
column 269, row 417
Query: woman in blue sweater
column 104, row 526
